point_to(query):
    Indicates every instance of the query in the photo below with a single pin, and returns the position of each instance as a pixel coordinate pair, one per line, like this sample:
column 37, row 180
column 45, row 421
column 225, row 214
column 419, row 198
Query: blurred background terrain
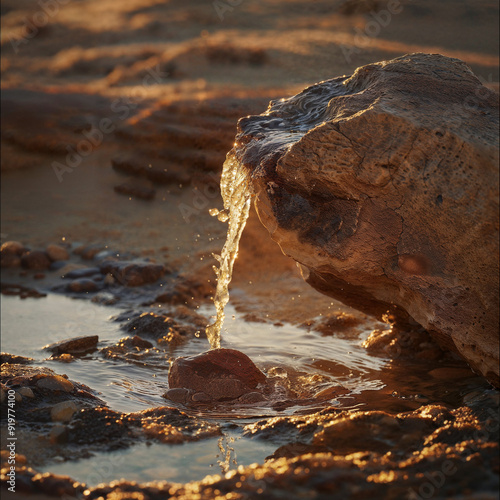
column 116, row 116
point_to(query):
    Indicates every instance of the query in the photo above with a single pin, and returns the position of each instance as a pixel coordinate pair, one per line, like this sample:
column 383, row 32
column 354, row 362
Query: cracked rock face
column 383, row 186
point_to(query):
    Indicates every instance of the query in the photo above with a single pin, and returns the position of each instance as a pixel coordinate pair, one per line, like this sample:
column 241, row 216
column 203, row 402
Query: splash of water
column 236, row 195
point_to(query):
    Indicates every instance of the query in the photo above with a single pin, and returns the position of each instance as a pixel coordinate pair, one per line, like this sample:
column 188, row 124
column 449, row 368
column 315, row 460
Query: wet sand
column 116, row 119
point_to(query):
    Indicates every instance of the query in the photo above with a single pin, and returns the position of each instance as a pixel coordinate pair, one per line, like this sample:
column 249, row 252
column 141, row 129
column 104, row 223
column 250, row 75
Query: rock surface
column 219, row 373
column 133, row 273
column 76, row 345
column 383, row 186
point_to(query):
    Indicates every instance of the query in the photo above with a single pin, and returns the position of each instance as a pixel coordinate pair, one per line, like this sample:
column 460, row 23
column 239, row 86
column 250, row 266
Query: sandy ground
column 159, row 86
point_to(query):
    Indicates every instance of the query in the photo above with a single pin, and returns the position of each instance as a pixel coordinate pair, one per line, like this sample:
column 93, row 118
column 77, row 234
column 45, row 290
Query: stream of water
column 236, row 195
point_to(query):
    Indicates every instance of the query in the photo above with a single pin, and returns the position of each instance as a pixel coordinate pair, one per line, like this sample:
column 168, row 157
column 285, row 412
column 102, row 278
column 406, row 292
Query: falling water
column 236, row 195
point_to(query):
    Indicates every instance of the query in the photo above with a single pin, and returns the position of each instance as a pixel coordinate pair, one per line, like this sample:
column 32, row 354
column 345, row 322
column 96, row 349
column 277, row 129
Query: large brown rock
column 219, row 373
column 383, row 186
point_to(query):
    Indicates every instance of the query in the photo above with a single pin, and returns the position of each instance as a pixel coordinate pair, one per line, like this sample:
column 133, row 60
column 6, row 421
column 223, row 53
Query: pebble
column 56, row 252
column 18, row 397
column 133, row 273
column 5, row 357
column 105, row 298
column 177, row 395
column 39, row 276
column 141, row 343
column 12, row 248
column 88, row 253
column 201, row 397
column 26, row 392
column 83, row 285
column 66, row 358
column 63, row 412
column 109, row 280
column 36, row 260
column 55, row 383
column 75, row 345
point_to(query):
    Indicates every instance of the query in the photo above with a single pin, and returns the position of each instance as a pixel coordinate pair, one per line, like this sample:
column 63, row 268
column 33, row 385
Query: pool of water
column 308, row 363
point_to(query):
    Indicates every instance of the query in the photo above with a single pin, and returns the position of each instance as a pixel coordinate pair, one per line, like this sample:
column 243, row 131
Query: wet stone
column 89, row 252
column 155, row 326
column 55, row 383
column 63, row 412
column 201, row 397
column 35, row 260
column 133, row 273
column 177, row 395
column 83, row 285
column 220, row 373
column 10, row 253
column 26, row 392
column 126, row 350
column 57, row 253
column 13, row 359
column 77, row 345
column 56, row 485
column 12, row 248
column 141, row 343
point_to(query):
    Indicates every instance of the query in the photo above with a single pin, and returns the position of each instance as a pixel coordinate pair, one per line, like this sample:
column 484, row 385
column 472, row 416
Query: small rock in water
column 36, row 260
column 55, row 383
column 5, row 357
column 77, row 345
column 89, row 252
column 26, row 392
column 133, row 273
column 10, row 253
column 83, row 285
column 201, row 397
column 219, row 373
column 178, row 395
column 12, row 248
column 63, row 412
column 141, row 343
column 56, row 252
